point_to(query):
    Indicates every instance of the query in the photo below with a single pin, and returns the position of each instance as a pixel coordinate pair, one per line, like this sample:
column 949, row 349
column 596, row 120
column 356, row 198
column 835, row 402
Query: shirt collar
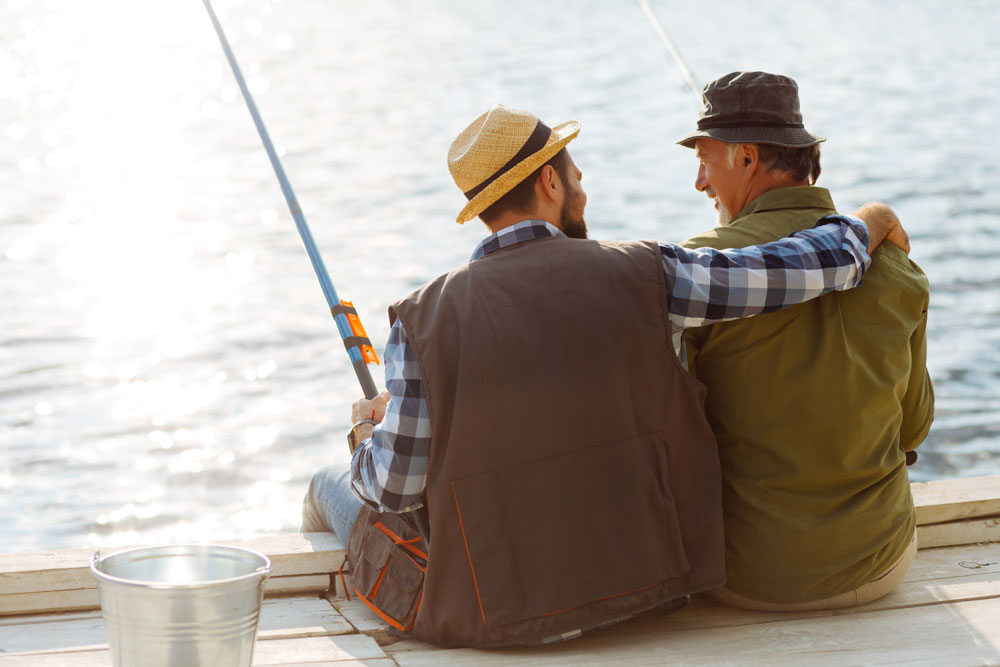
column 799, row 196
column 526, row 230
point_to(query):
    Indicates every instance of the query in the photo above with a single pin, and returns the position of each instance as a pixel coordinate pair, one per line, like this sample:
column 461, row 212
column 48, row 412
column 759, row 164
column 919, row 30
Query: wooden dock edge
column 955, row 512
column 57, row 581
column 949, row 500
column 950, row 512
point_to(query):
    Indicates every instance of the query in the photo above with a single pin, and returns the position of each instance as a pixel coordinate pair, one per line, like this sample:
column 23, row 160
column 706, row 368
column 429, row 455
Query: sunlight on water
column 168, row 368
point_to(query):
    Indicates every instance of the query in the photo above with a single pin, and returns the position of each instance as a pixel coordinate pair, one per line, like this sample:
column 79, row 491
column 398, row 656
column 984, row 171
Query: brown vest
column 573, row 478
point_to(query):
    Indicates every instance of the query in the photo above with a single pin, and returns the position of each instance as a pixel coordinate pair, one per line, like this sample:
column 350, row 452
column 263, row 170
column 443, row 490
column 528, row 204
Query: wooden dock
column 947, row 610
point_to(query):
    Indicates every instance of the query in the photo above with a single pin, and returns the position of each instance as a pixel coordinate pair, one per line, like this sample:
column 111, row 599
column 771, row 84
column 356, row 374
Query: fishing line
column 685, row 70
column 359, row 347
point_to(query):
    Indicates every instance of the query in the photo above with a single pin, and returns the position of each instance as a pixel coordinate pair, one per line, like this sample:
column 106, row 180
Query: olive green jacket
column 814, row 408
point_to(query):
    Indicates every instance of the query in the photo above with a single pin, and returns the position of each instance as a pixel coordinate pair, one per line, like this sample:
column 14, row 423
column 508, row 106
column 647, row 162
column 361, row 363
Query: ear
column 750, row 156
column 548, row 186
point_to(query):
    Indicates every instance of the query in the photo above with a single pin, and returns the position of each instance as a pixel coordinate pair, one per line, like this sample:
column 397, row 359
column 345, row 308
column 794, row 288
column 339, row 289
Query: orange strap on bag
column 343, row 582
column 409, row 545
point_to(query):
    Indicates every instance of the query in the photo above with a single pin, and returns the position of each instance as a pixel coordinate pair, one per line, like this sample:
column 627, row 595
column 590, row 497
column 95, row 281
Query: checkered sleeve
column 389, row 470
column 705, row 286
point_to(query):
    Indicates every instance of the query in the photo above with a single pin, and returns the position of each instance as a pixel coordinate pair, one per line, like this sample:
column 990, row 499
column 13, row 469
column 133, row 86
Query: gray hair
column 800, row 163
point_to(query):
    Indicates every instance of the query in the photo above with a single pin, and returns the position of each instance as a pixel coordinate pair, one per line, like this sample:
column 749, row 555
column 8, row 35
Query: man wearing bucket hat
column 816, row 408
column 537, row 410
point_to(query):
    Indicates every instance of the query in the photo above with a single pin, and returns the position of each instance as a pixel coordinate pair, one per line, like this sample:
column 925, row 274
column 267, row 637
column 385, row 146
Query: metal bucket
column 182, row 605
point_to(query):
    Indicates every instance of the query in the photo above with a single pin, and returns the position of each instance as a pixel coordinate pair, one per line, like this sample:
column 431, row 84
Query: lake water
column 168, row 367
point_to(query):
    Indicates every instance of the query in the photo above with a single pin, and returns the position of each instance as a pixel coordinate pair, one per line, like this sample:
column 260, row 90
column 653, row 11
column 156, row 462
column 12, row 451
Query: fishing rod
column 685, row 70
column 359, row 347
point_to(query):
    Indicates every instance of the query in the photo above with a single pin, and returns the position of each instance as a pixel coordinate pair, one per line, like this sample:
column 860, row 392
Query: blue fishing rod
column 359, row 347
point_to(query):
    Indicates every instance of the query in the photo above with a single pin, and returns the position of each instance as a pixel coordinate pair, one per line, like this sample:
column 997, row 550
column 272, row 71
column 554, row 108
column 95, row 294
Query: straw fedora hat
column 498, row 151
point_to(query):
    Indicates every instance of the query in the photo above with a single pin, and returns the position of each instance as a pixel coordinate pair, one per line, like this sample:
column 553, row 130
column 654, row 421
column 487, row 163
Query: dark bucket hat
column 752, row 108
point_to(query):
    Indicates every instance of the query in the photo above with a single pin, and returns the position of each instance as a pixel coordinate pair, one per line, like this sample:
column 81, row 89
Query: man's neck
column 770, row 181
column 548, row 214
column 510, row 220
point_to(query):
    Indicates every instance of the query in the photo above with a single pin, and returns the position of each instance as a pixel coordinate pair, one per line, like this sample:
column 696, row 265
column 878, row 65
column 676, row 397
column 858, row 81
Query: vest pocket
column 388, row 572
column 550, row 535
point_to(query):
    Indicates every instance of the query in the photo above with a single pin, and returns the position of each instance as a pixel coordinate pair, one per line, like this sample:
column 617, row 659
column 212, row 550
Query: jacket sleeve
column 918, row 402
column 389, row 469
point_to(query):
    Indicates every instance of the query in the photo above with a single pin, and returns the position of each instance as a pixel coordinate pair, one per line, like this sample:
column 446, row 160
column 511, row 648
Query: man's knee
column 330, row 505
column 313, row 518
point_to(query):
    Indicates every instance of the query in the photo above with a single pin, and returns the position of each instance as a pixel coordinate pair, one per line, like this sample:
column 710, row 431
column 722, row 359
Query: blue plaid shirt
column 704, row 286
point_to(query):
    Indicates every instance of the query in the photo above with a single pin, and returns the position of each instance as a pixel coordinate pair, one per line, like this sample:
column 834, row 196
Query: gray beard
column 725, row 217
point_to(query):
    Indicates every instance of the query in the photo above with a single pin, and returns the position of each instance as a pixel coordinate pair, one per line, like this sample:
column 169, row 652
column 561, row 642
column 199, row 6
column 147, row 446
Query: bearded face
column 572, row 222
column 571, row 216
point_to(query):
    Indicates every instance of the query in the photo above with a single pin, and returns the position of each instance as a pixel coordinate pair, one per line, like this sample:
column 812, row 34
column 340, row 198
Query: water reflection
column 168, row 369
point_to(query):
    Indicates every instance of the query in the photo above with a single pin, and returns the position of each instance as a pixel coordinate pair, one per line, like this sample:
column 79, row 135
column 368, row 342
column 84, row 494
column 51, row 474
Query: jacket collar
column 802, row 196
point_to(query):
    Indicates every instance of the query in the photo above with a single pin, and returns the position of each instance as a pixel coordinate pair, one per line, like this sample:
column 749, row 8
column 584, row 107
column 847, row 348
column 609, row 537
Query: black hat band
column 536, row 142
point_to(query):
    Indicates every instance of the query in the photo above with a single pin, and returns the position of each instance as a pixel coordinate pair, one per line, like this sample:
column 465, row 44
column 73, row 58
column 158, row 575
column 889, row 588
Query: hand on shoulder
column 883, row 225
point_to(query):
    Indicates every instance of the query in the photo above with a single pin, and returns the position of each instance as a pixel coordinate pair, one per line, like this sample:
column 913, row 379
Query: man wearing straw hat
column 537, row 410
column 816, row 407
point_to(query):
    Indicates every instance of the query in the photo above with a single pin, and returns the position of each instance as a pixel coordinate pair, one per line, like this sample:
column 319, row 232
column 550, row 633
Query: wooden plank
column 951, row 499
column 279, row 619
column 368, row 662
column 290, row 553
column 300, row 617
column 936, row 566
column 409, row 645
column 103, row 659
column 100, row 658
column 365, row 621
column 955, row 533
column 316, row 649
column 377, row 662
column 297, row 585
column 88, row 598
column 958, row 633
column 29, row 619
column 50, row 601
column 299, row 553
column 341, row 651
column 76, row 632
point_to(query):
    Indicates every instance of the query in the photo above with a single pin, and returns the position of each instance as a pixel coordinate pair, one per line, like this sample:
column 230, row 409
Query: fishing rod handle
column 365, row 378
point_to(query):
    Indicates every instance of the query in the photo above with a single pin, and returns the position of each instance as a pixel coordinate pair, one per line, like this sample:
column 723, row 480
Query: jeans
column 330, row 505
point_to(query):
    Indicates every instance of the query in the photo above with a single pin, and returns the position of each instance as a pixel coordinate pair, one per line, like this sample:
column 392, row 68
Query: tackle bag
column 386, row 559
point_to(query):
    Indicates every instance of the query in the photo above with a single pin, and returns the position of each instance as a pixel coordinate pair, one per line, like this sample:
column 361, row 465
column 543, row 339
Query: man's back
column 573, row 479
column 813, row 408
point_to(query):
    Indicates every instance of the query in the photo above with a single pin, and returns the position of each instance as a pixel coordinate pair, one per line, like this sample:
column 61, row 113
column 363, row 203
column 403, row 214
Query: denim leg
column 330, row 505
